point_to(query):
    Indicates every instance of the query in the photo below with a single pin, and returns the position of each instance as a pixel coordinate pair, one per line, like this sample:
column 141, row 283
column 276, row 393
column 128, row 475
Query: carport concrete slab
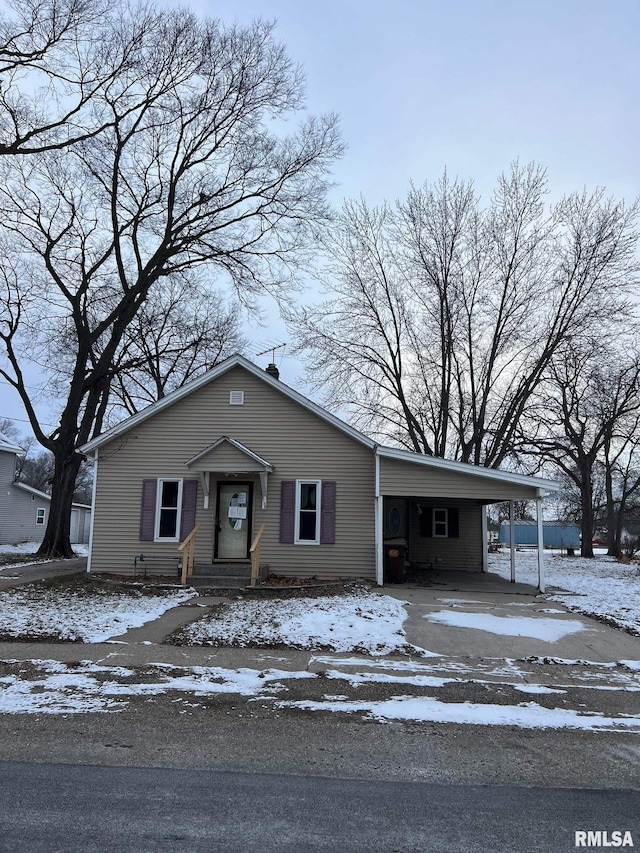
column 493, row 596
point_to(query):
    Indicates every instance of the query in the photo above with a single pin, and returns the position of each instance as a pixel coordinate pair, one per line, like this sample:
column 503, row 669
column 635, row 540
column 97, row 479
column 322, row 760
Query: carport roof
column 494, row 474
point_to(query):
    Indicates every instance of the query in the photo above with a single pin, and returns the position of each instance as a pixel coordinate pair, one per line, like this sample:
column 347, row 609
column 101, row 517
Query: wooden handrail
column 188, row 547
column 254, row 550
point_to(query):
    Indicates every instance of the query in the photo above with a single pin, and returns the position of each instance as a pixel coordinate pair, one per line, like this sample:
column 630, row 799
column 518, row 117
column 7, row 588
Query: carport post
column 541, row 586
column 512, row 539
column 378, row 526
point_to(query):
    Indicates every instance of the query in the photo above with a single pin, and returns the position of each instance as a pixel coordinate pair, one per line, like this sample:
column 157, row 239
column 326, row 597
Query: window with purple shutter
column 328, row 513
column 287, row 511
column 148, row 510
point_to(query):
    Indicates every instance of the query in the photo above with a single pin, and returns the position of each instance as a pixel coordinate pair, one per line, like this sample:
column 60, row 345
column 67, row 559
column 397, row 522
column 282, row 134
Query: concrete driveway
column 16, row 576
column 464, row 614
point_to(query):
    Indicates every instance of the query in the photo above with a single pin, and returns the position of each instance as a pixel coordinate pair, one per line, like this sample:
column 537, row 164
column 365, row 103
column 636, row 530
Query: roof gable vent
column 236, row 398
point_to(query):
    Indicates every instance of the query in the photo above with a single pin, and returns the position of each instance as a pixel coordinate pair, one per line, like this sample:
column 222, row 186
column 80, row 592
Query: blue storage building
column 556, row 534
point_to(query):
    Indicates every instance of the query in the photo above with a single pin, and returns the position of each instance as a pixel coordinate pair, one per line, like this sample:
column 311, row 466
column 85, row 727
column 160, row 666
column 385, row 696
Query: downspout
column 541, row 585
column 378, row 523
column 93, row 506
column 485, row 539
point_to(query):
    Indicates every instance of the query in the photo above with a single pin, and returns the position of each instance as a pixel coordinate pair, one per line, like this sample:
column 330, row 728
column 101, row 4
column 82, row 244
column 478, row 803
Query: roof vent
column 236, row 398
column 272, row 370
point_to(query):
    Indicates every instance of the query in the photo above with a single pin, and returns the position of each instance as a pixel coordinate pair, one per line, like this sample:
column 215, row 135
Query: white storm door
column 233, row 521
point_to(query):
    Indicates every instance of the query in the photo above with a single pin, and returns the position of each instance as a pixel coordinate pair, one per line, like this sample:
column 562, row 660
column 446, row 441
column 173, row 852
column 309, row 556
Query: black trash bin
column 394, row 559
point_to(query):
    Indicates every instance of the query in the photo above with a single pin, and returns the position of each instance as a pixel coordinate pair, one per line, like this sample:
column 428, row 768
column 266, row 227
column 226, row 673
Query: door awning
column 228, row 456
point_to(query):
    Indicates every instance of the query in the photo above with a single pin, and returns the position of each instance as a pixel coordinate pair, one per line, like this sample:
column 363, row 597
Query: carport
column 431, row 512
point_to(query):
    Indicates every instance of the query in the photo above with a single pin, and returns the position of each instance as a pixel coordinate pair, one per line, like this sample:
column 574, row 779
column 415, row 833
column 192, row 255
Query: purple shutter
column 328, row 513
column 148, row 510
column 188, row 514
column 287, row 511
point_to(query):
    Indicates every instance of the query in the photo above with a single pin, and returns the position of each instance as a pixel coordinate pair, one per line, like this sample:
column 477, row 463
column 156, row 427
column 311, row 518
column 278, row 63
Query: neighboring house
column 236, row 448
column 555, row 534
column 24, row 511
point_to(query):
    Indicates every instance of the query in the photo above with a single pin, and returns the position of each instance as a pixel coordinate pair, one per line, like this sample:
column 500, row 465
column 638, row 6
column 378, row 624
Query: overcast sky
column 421, row 85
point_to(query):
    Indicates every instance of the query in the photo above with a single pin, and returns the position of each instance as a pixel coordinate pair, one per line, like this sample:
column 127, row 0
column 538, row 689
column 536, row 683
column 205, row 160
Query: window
column 40, row 514
column 441, row 523
column 168, row 507
column 308, row 496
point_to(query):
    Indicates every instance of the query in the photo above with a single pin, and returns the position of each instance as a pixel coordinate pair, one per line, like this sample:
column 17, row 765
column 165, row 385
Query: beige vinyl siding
column 461, row 554
column 299, row 445
column 18, row 507
column 404, row 478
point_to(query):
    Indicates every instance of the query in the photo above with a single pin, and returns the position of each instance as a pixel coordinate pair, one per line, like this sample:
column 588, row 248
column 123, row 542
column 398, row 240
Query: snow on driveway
column 363, row 623
column 600, row 587
column 36, row 612
column 541, row 628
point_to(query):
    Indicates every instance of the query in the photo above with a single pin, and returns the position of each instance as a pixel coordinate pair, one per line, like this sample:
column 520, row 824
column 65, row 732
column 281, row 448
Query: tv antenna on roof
column 272, row 350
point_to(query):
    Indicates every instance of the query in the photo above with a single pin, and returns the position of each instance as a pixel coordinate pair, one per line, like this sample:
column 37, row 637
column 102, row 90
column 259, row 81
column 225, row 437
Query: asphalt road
column 55, row 808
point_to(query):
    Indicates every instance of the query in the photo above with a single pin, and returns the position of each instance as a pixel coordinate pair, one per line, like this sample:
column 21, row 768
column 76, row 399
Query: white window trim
column 318, row 485
column 156, row 529
column 444, row 535
column 43, row 516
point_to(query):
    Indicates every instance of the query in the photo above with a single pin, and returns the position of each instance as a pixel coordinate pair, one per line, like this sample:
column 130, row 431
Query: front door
column 233, row 521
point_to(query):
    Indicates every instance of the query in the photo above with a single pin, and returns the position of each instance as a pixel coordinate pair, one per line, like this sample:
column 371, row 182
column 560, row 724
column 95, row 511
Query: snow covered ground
column 600, row 587
column 366, row 623
column 50, row 687
column 39, row 613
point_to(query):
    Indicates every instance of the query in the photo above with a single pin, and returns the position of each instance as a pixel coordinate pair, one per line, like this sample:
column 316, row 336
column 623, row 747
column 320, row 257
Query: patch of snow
column 21, row 548
column 76, row 691
column 357, row 678
column 528, row 715
column 536, row 688
column 549, row 630
column 368, row 623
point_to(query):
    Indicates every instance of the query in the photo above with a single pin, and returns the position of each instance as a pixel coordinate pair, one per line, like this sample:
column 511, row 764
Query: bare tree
column 443, row 317
column 589, row 402
column 183, row 332
column 196, row 174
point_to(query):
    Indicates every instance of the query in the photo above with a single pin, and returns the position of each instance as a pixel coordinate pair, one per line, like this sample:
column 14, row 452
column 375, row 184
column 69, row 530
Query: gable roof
column 8, row 445
column 390, row 452
column 44, row 495
column 210, row 376
column 238, row 445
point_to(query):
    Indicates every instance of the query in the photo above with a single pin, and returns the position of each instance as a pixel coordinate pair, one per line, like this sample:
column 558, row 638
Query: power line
column 24, row 420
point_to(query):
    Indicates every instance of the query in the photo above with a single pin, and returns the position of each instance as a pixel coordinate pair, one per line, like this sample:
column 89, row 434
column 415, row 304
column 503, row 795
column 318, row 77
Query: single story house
column 24, row 510
column 236, row 451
